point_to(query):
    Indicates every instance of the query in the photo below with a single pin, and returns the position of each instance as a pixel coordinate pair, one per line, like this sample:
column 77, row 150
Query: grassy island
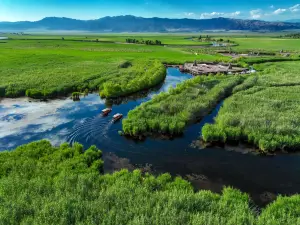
column 171, row 112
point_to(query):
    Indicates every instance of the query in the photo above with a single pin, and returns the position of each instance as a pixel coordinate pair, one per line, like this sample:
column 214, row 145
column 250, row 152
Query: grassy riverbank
column 41, row 184
column 264, row 115
column 171, row 112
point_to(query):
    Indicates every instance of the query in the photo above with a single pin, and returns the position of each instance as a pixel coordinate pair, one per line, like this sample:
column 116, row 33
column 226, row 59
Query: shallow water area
column 63, row 120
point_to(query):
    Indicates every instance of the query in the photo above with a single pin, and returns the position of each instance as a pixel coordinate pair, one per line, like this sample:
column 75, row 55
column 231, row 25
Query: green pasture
column 267, row 43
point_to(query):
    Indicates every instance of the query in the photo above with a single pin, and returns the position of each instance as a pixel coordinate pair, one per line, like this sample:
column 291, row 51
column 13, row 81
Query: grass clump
column 169, row 113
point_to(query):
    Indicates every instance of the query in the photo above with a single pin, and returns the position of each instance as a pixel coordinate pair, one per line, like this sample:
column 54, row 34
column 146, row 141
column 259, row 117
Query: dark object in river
column 106, row 111
column 117, row 117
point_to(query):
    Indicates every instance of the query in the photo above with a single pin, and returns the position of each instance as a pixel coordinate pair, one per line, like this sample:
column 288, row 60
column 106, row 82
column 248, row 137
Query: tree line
column 147, row 42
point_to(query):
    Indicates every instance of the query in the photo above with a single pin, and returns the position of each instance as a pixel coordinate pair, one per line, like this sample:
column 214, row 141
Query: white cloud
column 269, row 13
column 295, row 8
column 219, row 14
column 279, row 11
column 189, row 14
column 256, row 14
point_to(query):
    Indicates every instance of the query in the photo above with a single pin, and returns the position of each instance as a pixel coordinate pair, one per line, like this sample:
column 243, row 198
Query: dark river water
column 23, row 121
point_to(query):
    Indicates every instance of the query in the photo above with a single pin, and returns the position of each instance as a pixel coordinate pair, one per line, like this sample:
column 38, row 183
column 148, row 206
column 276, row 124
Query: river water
column 23, row 120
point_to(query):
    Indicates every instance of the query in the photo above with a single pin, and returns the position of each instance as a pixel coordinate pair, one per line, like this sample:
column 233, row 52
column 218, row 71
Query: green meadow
column 267, row 43
column 57, row 67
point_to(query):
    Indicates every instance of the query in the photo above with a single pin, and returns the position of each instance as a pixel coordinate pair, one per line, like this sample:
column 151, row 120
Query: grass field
column 41, row 184
column 267, row 43
column 57, row 66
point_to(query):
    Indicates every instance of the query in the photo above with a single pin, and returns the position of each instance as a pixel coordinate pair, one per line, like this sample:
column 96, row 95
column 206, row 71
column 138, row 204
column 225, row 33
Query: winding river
column 23, row 120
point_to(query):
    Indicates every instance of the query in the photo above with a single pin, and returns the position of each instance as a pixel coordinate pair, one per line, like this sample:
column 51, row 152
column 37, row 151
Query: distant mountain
column 293, row 21
column 139, row 24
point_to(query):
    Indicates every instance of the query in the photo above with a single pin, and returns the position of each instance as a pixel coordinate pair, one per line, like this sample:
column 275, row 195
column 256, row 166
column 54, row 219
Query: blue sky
column 19, row 10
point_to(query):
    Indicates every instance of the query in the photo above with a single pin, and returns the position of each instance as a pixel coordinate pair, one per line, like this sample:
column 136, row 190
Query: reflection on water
column 22, row 122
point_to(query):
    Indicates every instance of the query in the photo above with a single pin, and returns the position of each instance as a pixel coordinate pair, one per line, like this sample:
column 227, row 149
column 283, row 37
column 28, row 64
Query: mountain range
column 140, row 24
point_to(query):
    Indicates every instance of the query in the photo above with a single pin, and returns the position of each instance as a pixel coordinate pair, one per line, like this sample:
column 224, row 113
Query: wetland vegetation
column 42, row 184
column 171, row 112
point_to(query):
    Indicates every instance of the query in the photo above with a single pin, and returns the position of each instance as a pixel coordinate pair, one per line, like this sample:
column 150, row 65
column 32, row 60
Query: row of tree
column 295, row 36
column 208, row 38
column 147, row 42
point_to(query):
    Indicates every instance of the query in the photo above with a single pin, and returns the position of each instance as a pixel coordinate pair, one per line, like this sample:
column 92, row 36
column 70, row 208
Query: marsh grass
column 264, row 116
column 41, row 184
column 171, row 112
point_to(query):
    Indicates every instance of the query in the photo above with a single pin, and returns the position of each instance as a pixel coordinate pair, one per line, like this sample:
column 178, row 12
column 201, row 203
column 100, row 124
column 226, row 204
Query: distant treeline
column 147, row 42
column 209, row 38
column 296, row 36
